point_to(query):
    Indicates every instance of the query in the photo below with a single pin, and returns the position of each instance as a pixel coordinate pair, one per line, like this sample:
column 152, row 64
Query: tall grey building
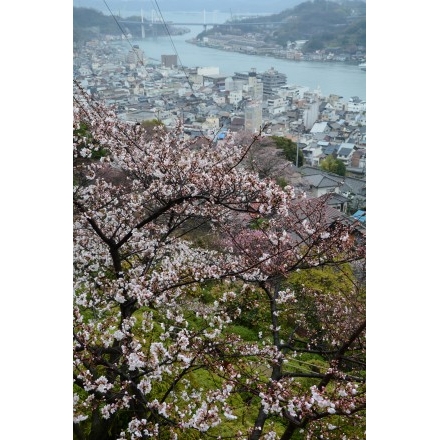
column 136, row 56
column 253, row 116
column 272, row 80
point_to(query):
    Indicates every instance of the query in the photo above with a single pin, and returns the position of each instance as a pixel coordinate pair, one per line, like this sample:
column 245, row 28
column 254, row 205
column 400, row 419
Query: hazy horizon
column 230, row 6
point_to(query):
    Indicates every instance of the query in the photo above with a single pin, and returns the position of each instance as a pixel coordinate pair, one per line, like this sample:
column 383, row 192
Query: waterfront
column 338, row 78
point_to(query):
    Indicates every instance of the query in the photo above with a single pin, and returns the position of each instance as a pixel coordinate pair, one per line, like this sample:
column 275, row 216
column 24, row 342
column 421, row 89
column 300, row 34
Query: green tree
column 333, row 165
column 150, row 126
column 289, row 149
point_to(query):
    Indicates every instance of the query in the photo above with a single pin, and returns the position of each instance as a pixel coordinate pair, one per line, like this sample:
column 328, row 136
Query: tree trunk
column 258, row 427
column 288, row 432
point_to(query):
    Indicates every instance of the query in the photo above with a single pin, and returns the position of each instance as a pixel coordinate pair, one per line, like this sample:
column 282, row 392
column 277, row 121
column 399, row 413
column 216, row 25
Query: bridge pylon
column 142, row 25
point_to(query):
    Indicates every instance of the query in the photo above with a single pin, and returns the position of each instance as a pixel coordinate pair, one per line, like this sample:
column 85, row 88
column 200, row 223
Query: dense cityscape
column 210, row 104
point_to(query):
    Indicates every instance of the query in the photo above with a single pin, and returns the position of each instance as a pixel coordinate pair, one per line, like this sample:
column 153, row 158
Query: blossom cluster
column 142, row 330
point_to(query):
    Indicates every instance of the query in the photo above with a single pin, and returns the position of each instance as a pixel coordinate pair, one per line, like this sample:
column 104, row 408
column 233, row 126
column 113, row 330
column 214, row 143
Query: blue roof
column 330, row 149
column 360, row 215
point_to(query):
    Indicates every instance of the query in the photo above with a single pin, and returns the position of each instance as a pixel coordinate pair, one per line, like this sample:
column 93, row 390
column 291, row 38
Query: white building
column 293, row 92
column 276, row 105
column 310, row 114
column 207, row 71
column 219, row 99
column 235, row 97
column 356, row 106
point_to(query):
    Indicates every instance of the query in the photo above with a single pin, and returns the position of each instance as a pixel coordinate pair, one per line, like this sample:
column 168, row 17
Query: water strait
column 340, row 78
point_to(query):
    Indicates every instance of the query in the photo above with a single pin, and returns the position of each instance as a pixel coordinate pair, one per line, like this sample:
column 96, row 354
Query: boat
column 363, row 66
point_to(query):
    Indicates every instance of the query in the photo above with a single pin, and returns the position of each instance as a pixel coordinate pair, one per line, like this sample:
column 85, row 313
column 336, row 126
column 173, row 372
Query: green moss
column 245, row 333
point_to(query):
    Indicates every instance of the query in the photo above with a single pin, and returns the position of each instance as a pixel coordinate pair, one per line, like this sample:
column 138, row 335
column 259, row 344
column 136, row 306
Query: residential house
column 327, row 111
column 345, row 153
column 356, row 105
column 219, row 98
column 338, row 201
column 358, row 162
column 313, row 154
column 321, row 184
column 237, row 124
column 356, row 190
column 320, row 127
column 330, row 149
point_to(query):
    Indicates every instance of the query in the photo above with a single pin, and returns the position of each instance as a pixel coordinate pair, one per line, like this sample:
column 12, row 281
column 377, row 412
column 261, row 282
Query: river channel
column 343, row 79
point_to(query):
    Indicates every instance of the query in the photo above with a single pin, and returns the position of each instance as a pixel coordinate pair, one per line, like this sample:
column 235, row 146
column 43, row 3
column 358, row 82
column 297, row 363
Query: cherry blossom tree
column 159, row 223
column 310, row 323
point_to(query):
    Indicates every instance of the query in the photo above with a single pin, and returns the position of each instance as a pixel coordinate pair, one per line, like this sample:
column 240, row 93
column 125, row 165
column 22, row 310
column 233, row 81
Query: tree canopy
column 333, row 165
column 289, row 150
column 187, row 321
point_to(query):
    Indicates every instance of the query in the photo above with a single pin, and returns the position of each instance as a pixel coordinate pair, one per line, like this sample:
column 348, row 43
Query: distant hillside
column 325, row 24
column 89, row 23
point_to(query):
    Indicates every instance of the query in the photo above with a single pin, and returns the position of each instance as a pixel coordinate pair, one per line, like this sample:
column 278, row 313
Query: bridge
column 149, row 22
column 173, row 23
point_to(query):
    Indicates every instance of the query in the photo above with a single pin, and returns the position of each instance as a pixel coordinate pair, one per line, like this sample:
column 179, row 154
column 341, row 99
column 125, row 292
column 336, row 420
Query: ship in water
column 363, row 66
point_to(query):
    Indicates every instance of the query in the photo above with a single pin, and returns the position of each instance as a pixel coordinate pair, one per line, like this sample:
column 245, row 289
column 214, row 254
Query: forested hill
column 89, row 23
column 325, row 24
